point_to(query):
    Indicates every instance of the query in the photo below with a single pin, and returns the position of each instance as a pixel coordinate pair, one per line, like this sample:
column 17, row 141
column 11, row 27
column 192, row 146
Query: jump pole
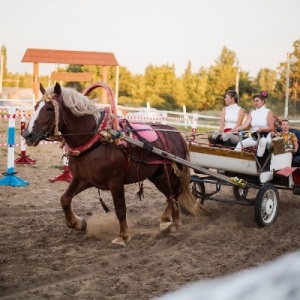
column 24, row 159
column 194, row 125
column 9, row 177
column 66, row 175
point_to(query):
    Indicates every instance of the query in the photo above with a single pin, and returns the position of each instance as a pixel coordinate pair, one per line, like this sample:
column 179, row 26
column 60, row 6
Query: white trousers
column 249, row 142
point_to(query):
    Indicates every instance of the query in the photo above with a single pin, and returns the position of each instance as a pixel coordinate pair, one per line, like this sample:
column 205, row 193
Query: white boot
column 266, row 176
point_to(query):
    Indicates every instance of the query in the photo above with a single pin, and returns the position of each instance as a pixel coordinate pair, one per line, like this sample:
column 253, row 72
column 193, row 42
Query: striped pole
column 66, row 174
column 194, row 125
column 9, row 177
column 164, row 118
column 24, row 159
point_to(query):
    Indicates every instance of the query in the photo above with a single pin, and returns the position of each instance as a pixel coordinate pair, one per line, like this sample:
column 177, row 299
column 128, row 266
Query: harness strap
column 78, row 150
column 104, row 122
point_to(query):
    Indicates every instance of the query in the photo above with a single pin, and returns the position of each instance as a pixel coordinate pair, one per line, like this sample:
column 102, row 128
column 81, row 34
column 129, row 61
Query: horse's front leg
column 118, row 195
column 72, row 220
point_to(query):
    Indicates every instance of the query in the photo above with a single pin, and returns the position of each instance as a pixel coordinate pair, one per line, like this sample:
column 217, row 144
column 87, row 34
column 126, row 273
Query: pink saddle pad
column 145, row 131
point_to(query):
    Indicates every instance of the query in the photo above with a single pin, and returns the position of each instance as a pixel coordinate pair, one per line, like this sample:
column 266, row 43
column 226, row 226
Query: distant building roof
column 69, row 57
column 69, row 76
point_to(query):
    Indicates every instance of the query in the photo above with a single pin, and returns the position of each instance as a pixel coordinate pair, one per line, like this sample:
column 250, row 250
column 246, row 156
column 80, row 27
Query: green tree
column 195, row 86
column 266, row 80
column 221, row 77
column 7, row 80
column 246, row 90
column 294, row 78
column 295, row 71
column 162, row 89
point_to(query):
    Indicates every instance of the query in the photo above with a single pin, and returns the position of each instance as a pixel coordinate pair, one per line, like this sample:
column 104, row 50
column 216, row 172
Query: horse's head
column 44, row 123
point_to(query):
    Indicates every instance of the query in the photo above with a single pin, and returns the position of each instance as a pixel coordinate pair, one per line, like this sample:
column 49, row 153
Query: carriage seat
column 296, row 156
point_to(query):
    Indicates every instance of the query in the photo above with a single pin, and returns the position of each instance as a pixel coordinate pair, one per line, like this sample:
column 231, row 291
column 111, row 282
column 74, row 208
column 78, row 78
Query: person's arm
column 244, row 125
column 296, row 145
column 222, row 121
column 270, row 121
column 240, row 117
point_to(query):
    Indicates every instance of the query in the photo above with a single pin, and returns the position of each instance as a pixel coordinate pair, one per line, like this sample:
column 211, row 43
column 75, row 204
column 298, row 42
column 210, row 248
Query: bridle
column 99, row 134
column 56, row 136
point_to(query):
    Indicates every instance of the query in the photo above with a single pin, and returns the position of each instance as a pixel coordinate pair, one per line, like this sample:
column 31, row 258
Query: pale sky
column 139, row 32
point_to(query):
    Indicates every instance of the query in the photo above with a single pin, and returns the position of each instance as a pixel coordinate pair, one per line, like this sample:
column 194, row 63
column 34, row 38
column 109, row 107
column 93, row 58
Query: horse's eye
column 50, row 108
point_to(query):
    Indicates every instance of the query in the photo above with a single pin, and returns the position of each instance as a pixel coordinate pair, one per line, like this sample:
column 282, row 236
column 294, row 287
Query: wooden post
column 1, row 72
column 104, row 79
column 117, row 84
column 36, row 80
column 287, row 85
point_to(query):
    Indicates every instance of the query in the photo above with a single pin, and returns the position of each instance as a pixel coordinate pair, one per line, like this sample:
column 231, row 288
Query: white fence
column 26, row 104
column 190, row 121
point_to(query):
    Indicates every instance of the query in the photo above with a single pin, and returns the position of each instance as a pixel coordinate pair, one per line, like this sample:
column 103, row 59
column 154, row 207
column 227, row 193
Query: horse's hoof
column 83, row 225
column 165, row 226
column 177, row 225
column 119, row 241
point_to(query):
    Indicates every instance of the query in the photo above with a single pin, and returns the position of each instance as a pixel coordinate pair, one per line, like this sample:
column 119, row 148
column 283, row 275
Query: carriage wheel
column 266, row 205
column 240, row 193
column 198, row 190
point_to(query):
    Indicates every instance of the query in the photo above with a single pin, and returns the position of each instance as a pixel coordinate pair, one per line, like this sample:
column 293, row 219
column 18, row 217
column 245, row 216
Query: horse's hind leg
column 72, row 220
column 170, row 217
column 166, row 218
column 170, row 186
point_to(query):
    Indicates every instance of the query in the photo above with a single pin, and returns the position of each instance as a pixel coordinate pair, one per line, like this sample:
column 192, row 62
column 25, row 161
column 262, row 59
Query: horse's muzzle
column 31, row 139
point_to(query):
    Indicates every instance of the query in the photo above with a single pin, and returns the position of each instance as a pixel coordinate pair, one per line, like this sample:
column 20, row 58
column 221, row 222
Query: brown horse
column 98, row 161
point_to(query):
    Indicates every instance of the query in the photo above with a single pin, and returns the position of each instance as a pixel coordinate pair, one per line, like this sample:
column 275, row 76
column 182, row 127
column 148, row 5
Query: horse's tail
column 187, row 199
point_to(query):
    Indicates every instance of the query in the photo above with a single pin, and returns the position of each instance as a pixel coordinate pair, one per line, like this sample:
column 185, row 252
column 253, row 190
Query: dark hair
column 263, row 95
column 285, row 120
column 233, row 94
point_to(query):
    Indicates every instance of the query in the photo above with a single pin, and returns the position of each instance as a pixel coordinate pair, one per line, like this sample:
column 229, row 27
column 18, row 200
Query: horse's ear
column 57, row 89
column 42, row 89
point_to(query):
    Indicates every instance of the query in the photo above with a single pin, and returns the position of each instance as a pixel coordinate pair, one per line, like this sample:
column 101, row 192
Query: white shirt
column 259, row 118
column 231, row 115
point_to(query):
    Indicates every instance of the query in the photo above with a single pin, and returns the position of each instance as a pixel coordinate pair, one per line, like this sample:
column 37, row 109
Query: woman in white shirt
column 232, row 116
column 262, row 123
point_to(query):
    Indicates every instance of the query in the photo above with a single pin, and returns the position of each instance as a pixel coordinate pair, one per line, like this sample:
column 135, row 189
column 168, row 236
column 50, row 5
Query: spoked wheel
column 240, row 193
column 198, row 190
column 266, row 205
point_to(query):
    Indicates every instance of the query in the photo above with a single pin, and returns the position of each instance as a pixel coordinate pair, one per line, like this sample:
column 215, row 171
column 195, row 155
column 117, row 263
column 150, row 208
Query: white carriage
column 242, row 170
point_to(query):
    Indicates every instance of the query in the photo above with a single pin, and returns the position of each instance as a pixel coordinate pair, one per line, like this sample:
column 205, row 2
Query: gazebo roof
column 69, row 57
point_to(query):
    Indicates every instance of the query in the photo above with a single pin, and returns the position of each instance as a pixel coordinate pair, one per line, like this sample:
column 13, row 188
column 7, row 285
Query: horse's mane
column 79, row 104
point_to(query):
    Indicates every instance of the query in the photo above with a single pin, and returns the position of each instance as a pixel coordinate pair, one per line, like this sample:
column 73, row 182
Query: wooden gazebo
column 37, row 56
